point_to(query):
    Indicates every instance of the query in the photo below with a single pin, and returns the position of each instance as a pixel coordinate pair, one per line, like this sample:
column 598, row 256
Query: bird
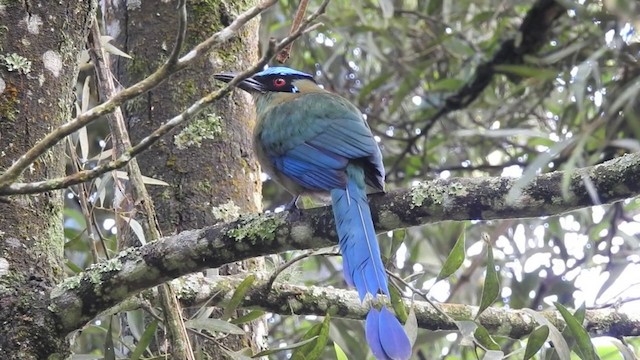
column 312, row 141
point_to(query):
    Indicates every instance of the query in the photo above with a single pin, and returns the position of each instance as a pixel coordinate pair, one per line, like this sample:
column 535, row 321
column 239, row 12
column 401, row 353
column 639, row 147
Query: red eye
column 279, row 82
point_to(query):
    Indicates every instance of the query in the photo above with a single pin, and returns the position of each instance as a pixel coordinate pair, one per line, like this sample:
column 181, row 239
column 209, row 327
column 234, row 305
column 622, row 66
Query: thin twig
column 82, row 195
column 182, row 33
column 285, row 53
column 421, row 294
column 288, row 264
column 175, row 328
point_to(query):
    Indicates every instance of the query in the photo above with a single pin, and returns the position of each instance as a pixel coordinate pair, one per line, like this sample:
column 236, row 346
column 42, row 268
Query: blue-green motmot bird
column 310, row 141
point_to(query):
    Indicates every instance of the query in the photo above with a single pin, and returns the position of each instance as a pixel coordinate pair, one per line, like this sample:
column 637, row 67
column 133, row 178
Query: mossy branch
column 288, row 299
column 104, row 285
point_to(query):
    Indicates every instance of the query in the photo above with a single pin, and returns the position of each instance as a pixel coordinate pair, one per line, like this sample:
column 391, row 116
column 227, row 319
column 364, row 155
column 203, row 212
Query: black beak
column 249, row 85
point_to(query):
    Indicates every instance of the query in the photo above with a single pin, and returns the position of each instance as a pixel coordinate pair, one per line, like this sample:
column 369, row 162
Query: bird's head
column 277, row 79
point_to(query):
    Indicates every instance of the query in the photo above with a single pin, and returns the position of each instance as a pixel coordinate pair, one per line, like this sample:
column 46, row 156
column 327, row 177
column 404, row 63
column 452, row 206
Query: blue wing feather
column 327, row 134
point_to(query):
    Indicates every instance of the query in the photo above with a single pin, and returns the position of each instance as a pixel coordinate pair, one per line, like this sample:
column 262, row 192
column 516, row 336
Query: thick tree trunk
column 39, row 46
column 209, row 163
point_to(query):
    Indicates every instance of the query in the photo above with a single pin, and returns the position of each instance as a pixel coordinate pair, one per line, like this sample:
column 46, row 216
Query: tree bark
column 39, row 50
column 208, row 163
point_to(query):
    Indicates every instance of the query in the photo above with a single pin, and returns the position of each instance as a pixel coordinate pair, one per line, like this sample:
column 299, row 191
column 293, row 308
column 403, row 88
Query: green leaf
column 585, row 347
column 340, row 355
column 402, row 91
column 559, row 343
column 446, row 85
column 214, row 325
column 491, row 287
column 537, row 338
column 242, row 354
column 483, row 338
column 458, row 48
column 411, row 327
column 626, row 352
column 73, row 267
column 374, row 84
column 397, row 239
column 109, row 350
column 527, row 71
column 237, row 297
column 313, row 350
column 398, row 304
column 290, row 347
column 254, row 314
column 145, row 340
column 580, row 313
column 455, row 258
column 135, row 320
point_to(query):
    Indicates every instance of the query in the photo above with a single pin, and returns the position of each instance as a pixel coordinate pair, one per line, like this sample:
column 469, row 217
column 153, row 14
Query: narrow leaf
column 290, row 347
column 340, row 355
column 483, row 338
column 108, row 47
column 491, row 287
column 135, row 320
column 73, row 267
column 83, row 138
column 214, row 325
column 455, row 258
column 411, row 327
column 136, row 228
column 145, row 340
column 86, row 94
column 397, row 239
column 145, row 179
column 237, row 297
column 559, row 343
column 527, row 71
column 235, row 355
column 537, row 338
column 313, row 350
column 398, row 304
column 254, row 314
column 579, row 333
column 109, row 350
column 374, row 84
column 104, row 154
column 627, row 353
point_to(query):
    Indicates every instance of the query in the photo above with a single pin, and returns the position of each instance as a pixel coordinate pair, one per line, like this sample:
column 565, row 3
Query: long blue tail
column 362, row 265
column 363, row 268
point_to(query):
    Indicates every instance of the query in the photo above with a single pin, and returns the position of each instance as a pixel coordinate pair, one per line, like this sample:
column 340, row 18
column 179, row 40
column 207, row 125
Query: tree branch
column 82, row 297
column 287, row 299
column 531, row 37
